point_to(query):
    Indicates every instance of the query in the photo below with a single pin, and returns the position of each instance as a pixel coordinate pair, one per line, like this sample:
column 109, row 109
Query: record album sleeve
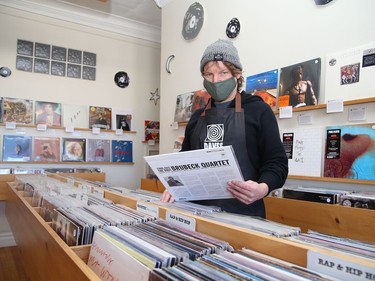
column 122, row 151
column 17, row 110
column 98, row 150
column 73, row 149
column 46, row 149
column 100, row 117
column 17, row 148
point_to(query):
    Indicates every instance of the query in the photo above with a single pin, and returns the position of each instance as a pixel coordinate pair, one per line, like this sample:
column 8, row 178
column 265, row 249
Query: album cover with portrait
column 17, row 110
column 75, row 116
column 17, row 148
column 46, row 149
column 100, row 117
column 98, row 150
column 350, row 152
column 48, row 113
column 299, row 84
column 121, row 119
column 264, row 85
column 73, row 150
column 122, row 151
column 152, row 130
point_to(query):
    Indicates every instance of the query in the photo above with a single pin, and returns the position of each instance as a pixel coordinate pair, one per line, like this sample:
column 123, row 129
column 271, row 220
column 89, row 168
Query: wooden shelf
column 46, row 257
column 64, row 128
column 66, row 163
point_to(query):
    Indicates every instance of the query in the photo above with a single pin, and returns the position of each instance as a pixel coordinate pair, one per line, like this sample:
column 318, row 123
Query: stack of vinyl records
column 319, row 195
column 242, row 265
column 365, row 200
column 255, row 223
column 331, row 242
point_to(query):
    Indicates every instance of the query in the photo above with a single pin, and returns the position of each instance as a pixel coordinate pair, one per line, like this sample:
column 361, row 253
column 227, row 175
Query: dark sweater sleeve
column 273, row 164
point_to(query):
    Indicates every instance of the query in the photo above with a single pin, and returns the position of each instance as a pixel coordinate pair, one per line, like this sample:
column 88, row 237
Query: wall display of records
column 233, row 28
column 193, row 21
column 122, row 79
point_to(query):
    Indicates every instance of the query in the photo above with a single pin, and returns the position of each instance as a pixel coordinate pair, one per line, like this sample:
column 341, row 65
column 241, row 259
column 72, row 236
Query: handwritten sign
column 111, row 263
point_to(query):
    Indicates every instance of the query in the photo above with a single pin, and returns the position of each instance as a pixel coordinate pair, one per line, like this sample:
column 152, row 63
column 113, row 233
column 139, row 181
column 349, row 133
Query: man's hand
column 247, row 191
column 166, row 197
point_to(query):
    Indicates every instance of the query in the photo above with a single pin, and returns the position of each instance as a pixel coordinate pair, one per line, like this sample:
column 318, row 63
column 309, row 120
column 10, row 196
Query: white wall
column 115, row 52
column 273, row 34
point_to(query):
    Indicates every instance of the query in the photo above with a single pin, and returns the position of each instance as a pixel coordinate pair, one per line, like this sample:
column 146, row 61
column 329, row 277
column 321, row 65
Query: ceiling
column 144, row 11
column 135, row 18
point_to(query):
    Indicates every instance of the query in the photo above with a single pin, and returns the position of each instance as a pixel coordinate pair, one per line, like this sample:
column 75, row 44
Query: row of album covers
column 349, row 75
column 17, row 148
column 26, row 111
column 131, row 244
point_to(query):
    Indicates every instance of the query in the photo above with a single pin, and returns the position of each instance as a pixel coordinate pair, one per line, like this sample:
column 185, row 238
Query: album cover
column 122, row 121
column 300, row 84
column 350, row 152
column 66, row 228
column 122, row 151
column 365, row 200
column 319, row 197
column 73, row 149
column 100, row 117
column 200, row 99
column 152, row 129
column 264, row 85
column 46, row 149
column 98, row 150
column 17, row 148
column 48, row 113
column 184, row 104
column 76, row 116
column 17, row 110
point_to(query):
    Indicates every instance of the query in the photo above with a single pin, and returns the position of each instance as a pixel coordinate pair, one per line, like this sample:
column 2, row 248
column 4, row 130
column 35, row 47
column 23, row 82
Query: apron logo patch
column 215, row 133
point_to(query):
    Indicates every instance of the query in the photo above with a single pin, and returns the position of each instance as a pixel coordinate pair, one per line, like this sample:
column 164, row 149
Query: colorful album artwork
column 122, row 151
column 350, row 152
column 300, row 84
column 100, row 117
column 200, row 99
column 349, row 73
column 48, row 113
column 264, row 85
column 152, row 130
column 17, row 110
column 46, row 149
column 98, row 150
column 74, row 149
column 76, row 116
column 17, row 148
column 184, row 103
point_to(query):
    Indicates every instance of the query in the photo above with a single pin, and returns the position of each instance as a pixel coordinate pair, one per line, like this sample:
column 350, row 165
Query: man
column 235, row 118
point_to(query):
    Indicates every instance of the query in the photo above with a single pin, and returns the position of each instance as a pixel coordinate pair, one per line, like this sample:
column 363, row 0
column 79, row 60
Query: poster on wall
column 188, row 103
column 350, row 152
column 264, row 85
column 350, row 73
column 300, row 84
column 304, row 149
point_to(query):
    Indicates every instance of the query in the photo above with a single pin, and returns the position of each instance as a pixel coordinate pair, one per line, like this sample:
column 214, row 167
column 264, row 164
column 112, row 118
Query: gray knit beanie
column 221, row 50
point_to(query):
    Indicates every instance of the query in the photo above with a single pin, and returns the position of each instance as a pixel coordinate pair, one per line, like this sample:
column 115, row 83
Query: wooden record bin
column 45, row 256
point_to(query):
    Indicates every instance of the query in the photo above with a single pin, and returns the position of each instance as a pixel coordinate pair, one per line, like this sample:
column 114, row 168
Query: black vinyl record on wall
column 193, row 21
column 233, row 28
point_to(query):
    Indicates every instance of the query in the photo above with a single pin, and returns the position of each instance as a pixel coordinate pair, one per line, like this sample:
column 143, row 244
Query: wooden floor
column 10, row 266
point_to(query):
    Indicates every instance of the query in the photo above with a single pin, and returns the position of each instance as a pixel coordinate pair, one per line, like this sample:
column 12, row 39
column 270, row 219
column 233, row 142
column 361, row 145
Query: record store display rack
column 45, row 256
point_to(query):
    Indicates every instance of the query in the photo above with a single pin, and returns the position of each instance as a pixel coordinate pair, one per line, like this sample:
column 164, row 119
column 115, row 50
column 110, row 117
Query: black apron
column 226, row 126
